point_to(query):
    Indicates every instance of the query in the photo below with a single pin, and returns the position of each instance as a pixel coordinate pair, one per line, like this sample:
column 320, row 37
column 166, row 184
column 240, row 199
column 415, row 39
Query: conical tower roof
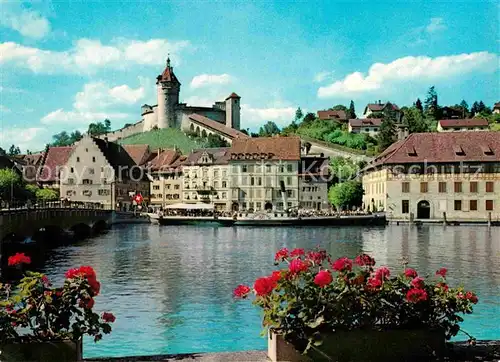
column 168, row 74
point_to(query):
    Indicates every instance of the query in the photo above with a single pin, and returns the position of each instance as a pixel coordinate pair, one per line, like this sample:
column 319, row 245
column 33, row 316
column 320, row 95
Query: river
column 170, row 287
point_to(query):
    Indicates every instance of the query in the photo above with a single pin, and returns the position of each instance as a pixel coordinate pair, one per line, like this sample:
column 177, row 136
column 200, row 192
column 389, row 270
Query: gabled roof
column 365, row 122
column 164, row 159
column 496, row 105
column 473, row 122
column 55, row 157
column 218, row 156
column 139, row 153
column 266, row 148
column 443, row 147
column 216, row 126
column 325, row 115
column 379, row 107
column 233, row 95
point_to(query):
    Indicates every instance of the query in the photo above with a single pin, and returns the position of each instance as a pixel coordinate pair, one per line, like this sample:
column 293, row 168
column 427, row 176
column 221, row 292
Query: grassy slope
column 164, row 138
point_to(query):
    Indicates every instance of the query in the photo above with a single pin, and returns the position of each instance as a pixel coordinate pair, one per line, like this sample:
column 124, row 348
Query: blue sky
column 65, row 64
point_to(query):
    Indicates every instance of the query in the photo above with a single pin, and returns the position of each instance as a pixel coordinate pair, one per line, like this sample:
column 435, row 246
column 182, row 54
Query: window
column 71, row 181
column 442, row 187
column 424, row 187
column 91, row 171
column 224, row 173
column 78, row 159
column 489, row 186
column 252, row 181
column 473, row 186
column 216, row 173
column 289, row 168
column 288, row 180
column 244, row 168
column 289, row 193
column 87, row 182
column 156, row 187
column 458, row 205
column 473, row 205
column 69, row 192
column 103, row 192
column 216, row 184
column 458, row 187
column 405, row 187
column 259, row 181
column 224, row 195
column 93, row 159
column 176, row 187
column 86, row 150
column 72, row 170
column 489, row 205
column 282, row 169
column 258, row 205
column 224, row 184
column 405, row 206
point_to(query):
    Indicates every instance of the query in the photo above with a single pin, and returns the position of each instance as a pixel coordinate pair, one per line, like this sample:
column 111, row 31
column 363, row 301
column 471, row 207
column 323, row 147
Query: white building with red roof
column 460, row 125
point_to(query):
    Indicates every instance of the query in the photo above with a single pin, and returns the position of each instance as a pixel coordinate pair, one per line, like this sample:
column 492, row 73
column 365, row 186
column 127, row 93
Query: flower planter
column 363, row 345
column 61, row 351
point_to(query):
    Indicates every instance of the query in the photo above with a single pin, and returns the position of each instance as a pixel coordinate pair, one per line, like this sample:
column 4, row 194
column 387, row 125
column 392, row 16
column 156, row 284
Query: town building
column 460, row 125
column 99, row 171
column 379, row 107
column 496, row 108
column 314, row 177
column 54, row 160
column 452, row 112
column 428, row 175
column 326, row 115
column 370, row 126
column 206, row 177
column 264, row 173
column 166, row 177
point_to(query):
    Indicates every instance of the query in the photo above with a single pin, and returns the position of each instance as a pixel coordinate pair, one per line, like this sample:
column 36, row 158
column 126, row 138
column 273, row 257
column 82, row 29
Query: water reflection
column 170, row 287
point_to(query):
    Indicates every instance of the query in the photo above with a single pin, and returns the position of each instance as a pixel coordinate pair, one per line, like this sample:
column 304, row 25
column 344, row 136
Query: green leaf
column 316, row 323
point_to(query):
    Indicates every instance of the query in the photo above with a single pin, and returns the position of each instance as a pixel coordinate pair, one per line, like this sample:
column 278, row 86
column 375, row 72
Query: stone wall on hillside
column 124, row 132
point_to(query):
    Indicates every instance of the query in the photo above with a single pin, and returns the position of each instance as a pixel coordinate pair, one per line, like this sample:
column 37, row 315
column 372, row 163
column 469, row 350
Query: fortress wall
column 125, row 132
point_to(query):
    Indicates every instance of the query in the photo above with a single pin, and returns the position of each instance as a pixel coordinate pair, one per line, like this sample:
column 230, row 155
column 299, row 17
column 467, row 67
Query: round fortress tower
column 168, row 88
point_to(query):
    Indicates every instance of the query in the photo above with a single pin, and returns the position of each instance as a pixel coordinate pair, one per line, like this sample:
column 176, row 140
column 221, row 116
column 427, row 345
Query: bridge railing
column 23, row 206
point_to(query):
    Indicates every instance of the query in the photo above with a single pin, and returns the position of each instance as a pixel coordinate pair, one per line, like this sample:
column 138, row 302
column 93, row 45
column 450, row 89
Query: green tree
column 418, row 105
column 415, row 121
column 269, row 129
column 2, row 152
column 11, row 185
column 14, row 150
column 308, row 118
column 99, row 128
column 298, row 115
column 387, row 132
column 465, row 108
column 343, row 169
column 46, row 194
column 346, row 195
column 339, row 107
column 352, row 112
column 216, row 141
column 431, row 103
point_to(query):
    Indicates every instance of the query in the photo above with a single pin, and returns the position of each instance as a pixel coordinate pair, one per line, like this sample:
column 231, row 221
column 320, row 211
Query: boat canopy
column 182, row 206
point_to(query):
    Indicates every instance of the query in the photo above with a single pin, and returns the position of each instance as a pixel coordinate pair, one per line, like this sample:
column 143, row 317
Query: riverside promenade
column 486, row 351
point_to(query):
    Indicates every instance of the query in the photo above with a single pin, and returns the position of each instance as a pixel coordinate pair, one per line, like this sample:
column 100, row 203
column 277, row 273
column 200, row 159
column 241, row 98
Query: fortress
column 222, row 119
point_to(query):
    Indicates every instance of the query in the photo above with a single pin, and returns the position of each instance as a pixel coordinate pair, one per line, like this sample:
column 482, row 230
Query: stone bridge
column 40, row 224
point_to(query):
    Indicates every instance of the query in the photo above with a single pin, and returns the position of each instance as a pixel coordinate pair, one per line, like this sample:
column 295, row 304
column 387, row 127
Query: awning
column 190, row 206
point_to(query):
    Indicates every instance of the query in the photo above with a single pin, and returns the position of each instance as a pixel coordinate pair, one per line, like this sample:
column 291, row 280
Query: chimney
column 379, row 101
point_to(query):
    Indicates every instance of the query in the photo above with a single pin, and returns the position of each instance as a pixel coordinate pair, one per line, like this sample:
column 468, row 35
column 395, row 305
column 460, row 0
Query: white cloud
column 31, row 138
column 96, row 102
column 436, row 24
column 89, row 55
column 27, row 22
column 200, row 101
column 421, row 68
column 206, row 80
column 282, row 116
column 322, row 76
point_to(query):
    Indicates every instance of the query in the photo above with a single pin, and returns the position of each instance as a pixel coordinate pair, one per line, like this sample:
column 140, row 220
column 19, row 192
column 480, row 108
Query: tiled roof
column 33, row 159
column 233, row 95
column 473, row 122
column 55, row 157
column 164, row 159
column 218, row 156
column 365, row 122
column 116, row 155
column 325, row 115
column 379, row 107
column 216, row 126
column 139, row 153
column 168, row 75
column 442, row 147
column 270, row 148
column 5, row 162
column 497, row 105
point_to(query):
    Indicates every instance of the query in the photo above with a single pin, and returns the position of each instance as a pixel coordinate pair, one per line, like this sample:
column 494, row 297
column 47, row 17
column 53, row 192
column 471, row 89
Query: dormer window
column 458, row 150
column 412, row 151
column 487, row 150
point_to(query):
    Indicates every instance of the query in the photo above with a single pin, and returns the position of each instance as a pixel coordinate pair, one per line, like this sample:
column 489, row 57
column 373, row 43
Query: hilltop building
column 453, row 125
column 379, row 107
column 429, row 174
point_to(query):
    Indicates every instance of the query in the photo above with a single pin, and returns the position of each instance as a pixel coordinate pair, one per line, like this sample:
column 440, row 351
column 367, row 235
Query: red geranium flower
column 443, row 286
column 241, row 291
column 374, row 283
column 472, row 297
column 382, row 273
column 417, row 282
column 360, row 279
column 296, row 266
column 323, row 278
column 282, row 254
column 317, row 256
column 297, row 252
column 276, row 275
column 442, row 272
column 264, row 286
column 88, row 304
column 88, row 273
column 18, row 258
column 45, row 280
column 110, row 318
column 364, row 259
column 411, row 273
column 342, row 264
column 416, row 295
